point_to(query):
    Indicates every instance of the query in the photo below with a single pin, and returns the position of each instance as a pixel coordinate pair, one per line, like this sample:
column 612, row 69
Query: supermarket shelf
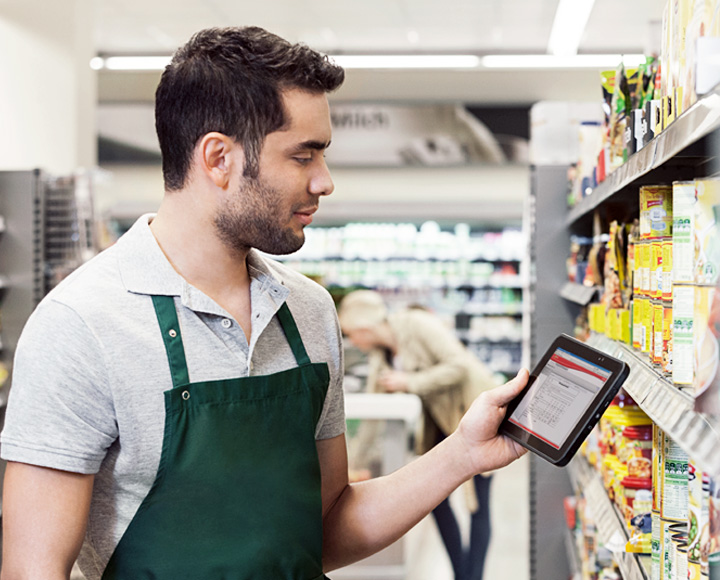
column 694, row 124
column 472, row 337
column 579, row 293
column 573, row 556
column 610, row 525
column 491, row 309
column 668, row 406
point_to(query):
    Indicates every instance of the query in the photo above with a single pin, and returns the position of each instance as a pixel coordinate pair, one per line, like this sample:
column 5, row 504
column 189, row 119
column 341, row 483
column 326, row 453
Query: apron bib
column 237, row 491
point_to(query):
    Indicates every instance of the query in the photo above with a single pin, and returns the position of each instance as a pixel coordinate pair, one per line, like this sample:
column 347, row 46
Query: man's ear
column 216, row 155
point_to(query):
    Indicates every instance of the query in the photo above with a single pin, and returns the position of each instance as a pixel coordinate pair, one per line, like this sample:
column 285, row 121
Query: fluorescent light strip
column 415, row 61
column 549, row 61
column 569, row 26
column 399, row 61
column 130, row 63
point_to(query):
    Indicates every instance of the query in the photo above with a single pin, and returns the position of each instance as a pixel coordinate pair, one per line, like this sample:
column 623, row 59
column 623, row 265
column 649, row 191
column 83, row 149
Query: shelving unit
column 46, row 232
column 474, row 282
column 667, row 405
column 610, row 525
column 686, row 149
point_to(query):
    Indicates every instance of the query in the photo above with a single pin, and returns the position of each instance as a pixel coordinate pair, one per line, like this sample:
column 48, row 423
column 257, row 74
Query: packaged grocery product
column 667, row 355
column 675, row 482
column 705, row 228
column 656, row 269
column 667, row 268
column 637, row 328
column 655, row 547
column 635, row 505
column 666, row 549
column 698, row 519
column 648, row 326
column 684, row 199
column 707, row 351
column 644, row 250
column 658, row 316
column 636, row 450
column 713, row 549
column 683, row 372
column 658, row 462
column 681, row 561
column 656, row 211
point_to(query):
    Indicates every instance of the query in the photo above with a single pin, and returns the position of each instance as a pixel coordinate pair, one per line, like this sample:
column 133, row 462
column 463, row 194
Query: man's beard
column 250, row 220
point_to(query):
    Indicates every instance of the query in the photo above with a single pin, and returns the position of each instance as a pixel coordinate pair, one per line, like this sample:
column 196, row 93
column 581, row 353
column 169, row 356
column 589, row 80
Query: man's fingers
column 502, row 395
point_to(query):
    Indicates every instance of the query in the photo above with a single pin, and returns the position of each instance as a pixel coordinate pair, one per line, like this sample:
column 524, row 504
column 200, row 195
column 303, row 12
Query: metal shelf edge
column 668, row 406
column 606, row 516
column 578, row 293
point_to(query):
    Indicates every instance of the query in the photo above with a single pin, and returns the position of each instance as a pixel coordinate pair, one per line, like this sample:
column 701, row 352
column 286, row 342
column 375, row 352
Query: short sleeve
column 60, row 412
column 332, row 421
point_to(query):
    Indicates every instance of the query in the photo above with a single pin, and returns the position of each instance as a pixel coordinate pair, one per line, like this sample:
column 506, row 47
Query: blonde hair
column 361, row 309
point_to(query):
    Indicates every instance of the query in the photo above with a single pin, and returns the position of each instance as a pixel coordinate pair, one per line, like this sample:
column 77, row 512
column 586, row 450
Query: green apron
column 237, row 491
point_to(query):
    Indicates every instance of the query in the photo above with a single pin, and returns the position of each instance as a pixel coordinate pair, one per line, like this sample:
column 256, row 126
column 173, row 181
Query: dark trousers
column 467, row 563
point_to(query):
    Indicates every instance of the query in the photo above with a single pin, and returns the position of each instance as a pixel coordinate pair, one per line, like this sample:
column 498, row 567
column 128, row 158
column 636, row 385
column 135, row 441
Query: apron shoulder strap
column 293, row 335
column 170, row 328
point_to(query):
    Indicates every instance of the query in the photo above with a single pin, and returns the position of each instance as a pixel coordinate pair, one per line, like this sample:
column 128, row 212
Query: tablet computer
column 565, row 397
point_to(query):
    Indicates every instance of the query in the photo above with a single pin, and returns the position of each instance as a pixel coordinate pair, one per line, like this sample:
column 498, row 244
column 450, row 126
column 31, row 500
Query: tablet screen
column 559, row 397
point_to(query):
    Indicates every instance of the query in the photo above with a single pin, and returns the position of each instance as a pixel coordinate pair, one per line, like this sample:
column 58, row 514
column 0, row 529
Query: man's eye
column 303, row 160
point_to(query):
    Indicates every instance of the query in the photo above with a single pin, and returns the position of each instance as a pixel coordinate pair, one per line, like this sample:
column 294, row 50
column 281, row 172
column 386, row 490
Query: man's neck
column 188, row 239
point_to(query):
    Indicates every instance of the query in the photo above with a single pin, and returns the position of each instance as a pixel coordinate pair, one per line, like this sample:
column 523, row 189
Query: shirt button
column 226, row 322
column 250, row 365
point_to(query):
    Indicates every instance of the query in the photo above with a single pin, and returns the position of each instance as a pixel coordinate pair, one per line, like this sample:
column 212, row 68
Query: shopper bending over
column 413, row 351
column 176, row 410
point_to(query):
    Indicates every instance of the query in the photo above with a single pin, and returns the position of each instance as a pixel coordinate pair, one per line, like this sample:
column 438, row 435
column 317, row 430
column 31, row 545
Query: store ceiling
column 381, row 26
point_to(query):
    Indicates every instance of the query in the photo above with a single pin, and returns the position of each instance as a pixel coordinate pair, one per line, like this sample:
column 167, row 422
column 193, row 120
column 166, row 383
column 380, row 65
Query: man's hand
column 486, row 450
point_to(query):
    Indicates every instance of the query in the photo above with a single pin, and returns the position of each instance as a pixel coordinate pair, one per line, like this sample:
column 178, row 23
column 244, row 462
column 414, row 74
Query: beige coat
column 441, row 371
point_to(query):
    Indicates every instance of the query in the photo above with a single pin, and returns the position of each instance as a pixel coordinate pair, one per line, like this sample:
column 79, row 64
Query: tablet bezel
column 619, row 371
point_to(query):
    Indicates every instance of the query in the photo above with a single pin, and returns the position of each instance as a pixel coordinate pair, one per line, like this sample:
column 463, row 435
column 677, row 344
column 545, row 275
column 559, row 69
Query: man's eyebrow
column 311, row 144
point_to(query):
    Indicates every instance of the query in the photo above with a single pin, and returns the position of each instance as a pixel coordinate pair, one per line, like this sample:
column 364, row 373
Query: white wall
column 47, row 89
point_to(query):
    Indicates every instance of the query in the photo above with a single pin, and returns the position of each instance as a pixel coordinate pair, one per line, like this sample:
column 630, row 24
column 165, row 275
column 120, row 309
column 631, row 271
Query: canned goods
column 657, row 333
column 665, row 556
column 667, row 339
column 647, row 323
column 645, row 259
column 656, row 269
column 667, row 268
column 657, row 466
column 680, row 565
column 655, row 547
column 675, row 482
column 684, row 198
column 683, row 305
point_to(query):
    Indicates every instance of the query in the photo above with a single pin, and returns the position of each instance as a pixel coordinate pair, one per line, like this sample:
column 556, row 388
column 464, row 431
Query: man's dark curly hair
column 231, row 80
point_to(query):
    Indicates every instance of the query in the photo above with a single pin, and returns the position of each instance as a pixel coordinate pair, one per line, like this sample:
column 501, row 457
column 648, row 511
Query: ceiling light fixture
column 130, row 63
column 529, row 61
column 407, row 61
column 568, row 27
column 411, row 61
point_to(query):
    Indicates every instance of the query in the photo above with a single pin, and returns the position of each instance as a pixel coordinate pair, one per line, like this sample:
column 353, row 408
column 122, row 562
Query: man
column 176, row 410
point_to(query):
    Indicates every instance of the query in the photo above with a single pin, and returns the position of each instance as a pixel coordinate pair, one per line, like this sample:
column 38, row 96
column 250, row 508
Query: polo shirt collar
column 144, row 269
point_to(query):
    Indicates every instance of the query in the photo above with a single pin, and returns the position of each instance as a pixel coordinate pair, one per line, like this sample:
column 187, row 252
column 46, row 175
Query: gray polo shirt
column 90, row 370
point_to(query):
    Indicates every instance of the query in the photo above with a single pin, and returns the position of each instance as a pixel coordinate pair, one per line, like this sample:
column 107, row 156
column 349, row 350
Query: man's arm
column 362, row 518
column 45, row 513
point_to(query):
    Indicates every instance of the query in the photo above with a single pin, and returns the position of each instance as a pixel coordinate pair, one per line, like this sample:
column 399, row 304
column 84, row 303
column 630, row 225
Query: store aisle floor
column 508, row 555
